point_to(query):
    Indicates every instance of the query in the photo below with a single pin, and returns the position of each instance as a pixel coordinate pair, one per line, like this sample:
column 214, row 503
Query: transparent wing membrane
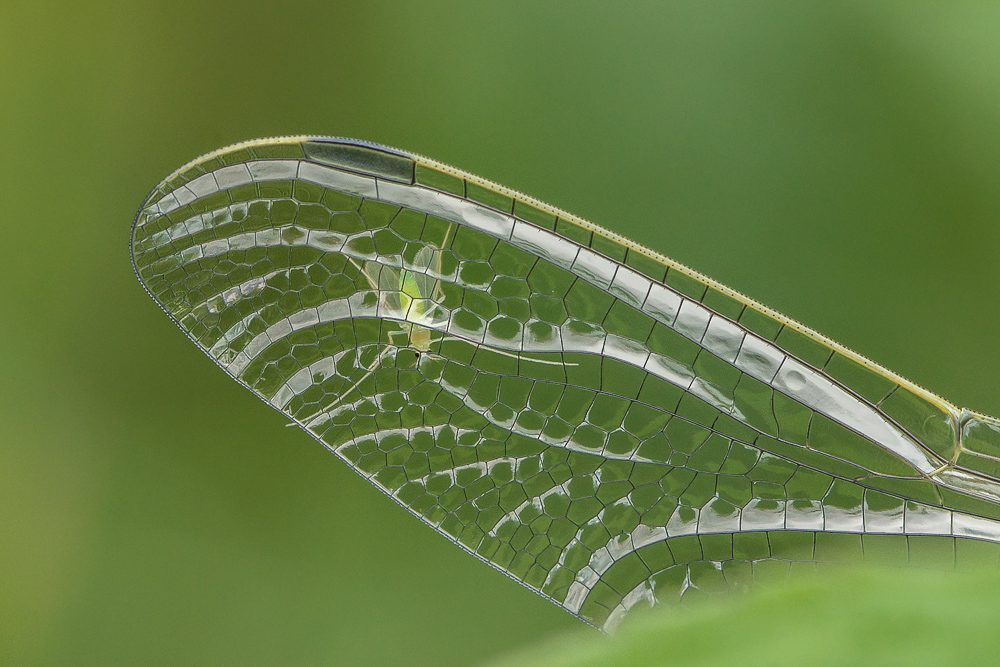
column 601, row 423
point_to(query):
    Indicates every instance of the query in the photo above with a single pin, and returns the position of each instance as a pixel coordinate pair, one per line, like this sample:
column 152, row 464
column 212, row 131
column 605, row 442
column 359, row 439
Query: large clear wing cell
column 604, row 425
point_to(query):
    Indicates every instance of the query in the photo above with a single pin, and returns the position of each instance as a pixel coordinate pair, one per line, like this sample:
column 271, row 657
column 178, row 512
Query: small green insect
column 414, row 293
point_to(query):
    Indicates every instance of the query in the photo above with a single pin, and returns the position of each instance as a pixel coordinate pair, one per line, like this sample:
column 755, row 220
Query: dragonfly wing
column 682, row 438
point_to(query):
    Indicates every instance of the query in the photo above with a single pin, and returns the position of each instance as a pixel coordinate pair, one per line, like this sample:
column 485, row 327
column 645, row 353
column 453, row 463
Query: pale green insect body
column 412, row 293
column 602, row 424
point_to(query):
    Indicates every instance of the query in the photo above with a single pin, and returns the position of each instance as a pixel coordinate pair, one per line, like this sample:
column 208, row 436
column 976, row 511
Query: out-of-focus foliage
column 865, row 617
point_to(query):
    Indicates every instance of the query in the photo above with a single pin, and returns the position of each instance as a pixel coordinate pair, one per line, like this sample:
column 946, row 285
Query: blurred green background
column 837, row 161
